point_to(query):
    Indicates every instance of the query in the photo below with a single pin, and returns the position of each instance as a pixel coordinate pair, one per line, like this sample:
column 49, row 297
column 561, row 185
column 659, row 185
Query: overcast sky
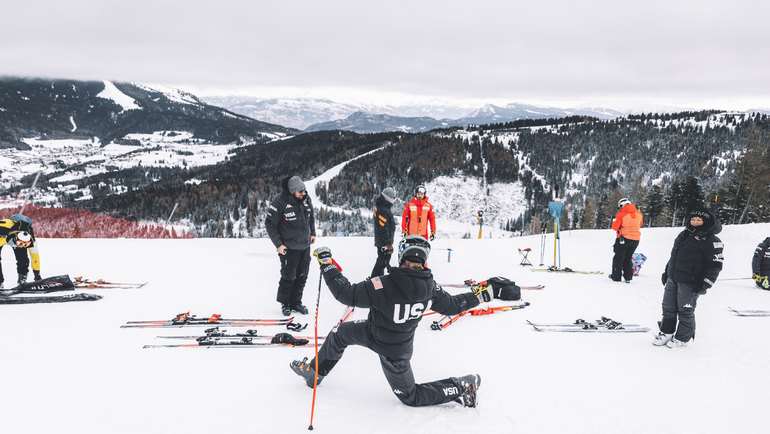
column 623, row 54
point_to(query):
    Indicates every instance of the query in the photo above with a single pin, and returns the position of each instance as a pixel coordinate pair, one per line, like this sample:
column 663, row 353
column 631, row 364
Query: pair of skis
column 83, row 282
column 219, row 338
column 566, row 270
column 185, row 319
column 749, row 312
column 448, row 320
column 603, row 325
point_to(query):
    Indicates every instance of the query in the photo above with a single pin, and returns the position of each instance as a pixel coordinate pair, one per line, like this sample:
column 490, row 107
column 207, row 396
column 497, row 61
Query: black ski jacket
column 760, row 264
column 697, row 256
column 384, row 224
column 289, row 221
column 396, row 303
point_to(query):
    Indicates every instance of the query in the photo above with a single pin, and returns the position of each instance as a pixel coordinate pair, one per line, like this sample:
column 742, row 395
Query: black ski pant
column 295, row 265
column 622, row 266
column 383, row 260
column 398, row 372
column 22, row 263
column 679, row 302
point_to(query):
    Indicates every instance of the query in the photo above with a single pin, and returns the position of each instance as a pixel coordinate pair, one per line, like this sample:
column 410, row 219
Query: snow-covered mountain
column 108, row 111
column 362, row 122
column 313, row 114
column 491, row 113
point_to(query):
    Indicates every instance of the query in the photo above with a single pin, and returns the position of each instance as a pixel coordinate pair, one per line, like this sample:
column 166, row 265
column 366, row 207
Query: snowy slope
column 70, row 367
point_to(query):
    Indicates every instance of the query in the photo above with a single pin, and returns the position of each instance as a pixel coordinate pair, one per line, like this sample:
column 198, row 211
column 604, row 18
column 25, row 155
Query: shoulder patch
column 376, row 282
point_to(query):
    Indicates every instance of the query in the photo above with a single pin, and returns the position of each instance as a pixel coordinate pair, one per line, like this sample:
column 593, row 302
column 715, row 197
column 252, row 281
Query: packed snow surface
column 70, row 367
column 111, row 92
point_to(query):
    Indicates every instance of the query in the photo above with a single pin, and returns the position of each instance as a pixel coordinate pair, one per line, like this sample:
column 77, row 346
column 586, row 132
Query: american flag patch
column 376, row 282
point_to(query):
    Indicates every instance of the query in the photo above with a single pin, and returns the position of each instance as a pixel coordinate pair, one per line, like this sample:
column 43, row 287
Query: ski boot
column 676, row 343
column 470, row 386
column 300, row 308
column 306, row 370
column 285, row 310
column 662, row 339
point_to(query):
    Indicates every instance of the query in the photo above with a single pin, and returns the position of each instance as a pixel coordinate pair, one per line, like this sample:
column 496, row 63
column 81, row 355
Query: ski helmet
column 23, row 239
column 413, row 248
column 623, row 202
column 420, row 189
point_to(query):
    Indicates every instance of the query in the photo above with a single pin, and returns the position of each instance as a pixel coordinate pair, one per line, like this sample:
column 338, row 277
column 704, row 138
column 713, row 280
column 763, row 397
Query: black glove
column 702, row 289
column 432, row 237
column 37, row 274
column 664, row 278
column 483, row 291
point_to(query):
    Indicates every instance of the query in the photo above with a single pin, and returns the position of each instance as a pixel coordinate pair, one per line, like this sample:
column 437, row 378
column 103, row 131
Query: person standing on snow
column 290, row 224
column 384, row 230
column 18, row 233
column 760, row 264
column 695, row 263
column 627, row 225
column 418, row 213
column 396, row 303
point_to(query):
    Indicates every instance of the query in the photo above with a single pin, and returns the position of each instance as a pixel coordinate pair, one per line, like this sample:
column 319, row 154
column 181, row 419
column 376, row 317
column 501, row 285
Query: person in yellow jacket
column 627, row 225
column 17, row 232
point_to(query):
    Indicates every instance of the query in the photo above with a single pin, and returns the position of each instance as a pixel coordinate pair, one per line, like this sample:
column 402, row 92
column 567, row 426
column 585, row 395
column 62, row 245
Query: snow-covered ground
column 71, row 368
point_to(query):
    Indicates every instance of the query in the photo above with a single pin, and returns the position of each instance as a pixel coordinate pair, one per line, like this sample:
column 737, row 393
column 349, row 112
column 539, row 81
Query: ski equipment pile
column 470, row 282
column 244, row 342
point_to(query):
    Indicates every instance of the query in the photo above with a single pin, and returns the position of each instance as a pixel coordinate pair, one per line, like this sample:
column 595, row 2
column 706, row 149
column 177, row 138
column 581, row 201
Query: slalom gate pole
column 315, row 379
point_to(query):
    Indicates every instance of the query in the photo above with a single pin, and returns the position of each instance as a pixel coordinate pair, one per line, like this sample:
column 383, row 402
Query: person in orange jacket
column 627, row 225
column 418, row 213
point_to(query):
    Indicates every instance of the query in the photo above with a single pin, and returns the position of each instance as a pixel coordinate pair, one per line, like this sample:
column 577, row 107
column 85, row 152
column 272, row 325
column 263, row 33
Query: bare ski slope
column 70, row 368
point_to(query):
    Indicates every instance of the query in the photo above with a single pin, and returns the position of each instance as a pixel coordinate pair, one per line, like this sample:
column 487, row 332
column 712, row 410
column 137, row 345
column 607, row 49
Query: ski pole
column 736, row 278
column 315, row 378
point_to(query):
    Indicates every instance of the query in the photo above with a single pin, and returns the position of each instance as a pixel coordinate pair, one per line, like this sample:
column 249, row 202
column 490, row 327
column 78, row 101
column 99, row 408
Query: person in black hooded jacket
column 760, row 264
column 384, row 230
column 290, row 224
column 396, row 303
column 695, row 263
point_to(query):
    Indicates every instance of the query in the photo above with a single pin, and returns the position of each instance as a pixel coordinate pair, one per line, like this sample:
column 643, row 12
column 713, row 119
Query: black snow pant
column 679, row 302
column 398, row 372
column 622, row 266
column 295, row 265
column 22, row 263
column 383, row 260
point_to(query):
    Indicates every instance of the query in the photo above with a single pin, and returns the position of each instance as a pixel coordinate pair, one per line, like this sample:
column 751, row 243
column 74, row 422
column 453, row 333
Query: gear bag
column 504, row 289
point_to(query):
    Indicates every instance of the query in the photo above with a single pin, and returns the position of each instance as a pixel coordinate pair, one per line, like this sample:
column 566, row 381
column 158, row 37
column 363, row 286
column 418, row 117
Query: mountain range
column 313, row 114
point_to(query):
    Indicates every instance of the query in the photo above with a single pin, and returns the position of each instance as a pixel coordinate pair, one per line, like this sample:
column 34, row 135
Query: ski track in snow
column 112, row 93
column 71, row 367
column 74, row 125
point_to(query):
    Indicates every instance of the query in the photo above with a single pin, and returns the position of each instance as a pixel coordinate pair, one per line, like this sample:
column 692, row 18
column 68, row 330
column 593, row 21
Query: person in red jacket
column 418, row 213
column 627, row 225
